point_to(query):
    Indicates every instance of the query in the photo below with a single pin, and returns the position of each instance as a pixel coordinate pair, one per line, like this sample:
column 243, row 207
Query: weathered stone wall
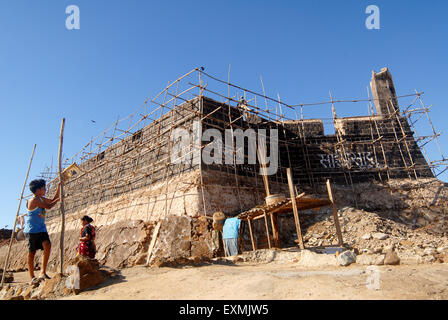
column 134, row 163
column 376, row 148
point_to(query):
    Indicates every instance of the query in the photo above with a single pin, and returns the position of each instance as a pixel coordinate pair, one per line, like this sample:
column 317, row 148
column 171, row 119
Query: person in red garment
column 87, row 245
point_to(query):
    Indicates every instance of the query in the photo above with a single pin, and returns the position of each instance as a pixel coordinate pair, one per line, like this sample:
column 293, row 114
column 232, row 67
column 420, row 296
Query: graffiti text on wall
column 363, row 160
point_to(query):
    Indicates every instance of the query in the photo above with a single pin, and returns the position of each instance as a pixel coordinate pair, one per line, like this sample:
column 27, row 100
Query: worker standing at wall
column 230, row 235
column 35, row 229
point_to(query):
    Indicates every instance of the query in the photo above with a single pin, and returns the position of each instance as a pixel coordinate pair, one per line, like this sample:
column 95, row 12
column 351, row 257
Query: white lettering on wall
column 363, row 160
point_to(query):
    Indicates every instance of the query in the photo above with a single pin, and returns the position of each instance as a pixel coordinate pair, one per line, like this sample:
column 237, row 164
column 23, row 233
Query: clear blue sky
column 128, row 50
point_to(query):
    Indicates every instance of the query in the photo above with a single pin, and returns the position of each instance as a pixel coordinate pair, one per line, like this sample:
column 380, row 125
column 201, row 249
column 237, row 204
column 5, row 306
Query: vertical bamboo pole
column 15, row 221
column 254, row 247
column 294, row 208
column 275, row 236
column 61, row 138
column 267, row 229
column 335, row 215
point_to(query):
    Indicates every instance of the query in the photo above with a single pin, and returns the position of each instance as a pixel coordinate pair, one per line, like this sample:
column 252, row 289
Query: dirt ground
column 271, row 281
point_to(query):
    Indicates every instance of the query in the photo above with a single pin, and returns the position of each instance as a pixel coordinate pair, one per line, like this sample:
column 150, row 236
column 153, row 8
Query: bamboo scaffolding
column 5, row 266
column 128, row 169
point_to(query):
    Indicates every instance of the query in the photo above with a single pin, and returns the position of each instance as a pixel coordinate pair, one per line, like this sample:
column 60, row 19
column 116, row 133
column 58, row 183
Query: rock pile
column 9, row 276
column 81, row 274
column 377, row 240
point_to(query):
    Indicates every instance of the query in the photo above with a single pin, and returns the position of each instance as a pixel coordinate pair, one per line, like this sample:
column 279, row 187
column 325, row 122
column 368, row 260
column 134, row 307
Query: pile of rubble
column 81, row 274
column 371, row 237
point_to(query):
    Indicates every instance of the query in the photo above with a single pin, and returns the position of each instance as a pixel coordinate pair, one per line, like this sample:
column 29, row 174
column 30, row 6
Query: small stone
column 428, row 251
column 443, row 258
column 391, row 258
column 27, row 292
column 346, row 258
column 9, row 276
column 380, row 236
column 442, row 249
column 367, row 236
column 407, row 243
column 377, row 250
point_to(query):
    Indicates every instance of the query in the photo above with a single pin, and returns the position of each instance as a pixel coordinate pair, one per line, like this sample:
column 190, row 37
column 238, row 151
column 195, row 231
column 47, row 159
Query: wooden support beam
column 294, row 209
column 155, row 233
column 275, row 234
column 254, row 247
column 335, row 215
column 267, row 230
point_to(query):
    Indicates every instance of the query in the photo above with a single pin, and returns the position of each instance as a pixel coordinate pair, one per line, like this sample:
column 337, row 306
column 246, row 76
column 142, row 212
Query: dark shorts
column 35, row 240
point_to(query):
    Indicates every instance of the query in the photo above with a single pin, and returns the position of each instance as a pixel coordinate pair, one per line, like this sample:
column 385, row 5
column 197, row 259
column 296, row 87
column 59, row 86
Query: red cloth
column 86, row 248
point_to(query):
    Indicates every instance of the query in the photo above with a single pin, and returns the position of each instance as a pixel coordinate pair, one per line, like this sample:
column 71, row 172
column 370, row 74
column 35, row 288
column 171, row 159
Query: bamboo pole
column 61, row 138
column 254, row 247
column 15, row 221
column 294, row 208
column 275, row 236
column 335, row 215
column 267, row 230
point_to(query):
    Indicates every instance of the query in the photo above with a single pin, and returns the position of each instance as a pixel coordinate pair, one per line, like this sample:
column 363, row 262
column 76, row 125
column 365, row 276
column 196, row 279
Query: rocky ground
column 265, row 274
column 400, row 227
column 80, row 275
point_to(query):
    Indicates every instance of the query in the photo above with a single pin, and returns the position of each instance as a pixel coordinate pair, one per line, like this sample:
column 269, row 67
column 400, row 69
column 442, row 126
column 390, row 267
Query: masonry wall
column 135, row 177
column 374, row 148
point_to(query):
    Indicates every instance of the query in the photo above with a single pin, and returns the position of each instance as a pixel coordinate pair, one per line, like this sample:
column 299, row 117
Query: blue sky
column 126, row 51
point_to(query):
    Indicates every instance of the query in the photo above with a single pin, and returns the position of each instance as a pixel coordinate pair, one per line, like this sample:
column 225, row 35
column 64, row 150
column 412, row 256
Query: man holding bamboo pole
column 35, row 229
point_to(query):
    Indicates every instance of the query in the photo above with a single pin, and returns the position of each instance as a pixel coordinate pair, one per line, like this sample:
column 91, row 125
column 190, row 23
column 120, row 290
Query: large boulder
column 88, row 272
column 391, row 257
column 346, row 258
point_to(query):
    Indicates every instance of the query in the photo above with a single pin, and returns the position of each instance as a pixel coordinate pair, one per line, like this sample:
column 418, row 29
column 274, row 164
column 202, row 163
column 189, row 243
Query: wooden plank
column 254, row 247
column 335, row 215
column 294, row 208
column 155, row 233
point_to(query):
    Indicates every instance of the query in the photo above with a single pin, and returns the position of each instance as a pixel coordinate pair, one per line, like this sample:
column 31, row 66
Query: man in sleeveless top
column 35, row 229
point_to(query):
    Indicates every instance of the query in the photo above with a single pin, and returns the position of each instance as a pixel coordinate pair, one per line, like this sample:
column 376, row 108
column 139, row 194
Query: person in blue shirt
column 35, row 229
column 230, row 234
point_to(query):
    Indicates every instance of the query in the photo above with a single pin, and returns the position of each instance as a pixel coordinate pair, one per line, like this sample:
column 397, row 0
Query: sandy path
column 274, row 281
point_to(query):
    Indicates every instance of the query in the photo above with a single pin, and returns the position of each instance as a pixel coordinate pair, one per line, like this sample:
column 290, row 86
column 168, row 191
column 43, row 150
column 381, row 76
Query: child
column 35, row 229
